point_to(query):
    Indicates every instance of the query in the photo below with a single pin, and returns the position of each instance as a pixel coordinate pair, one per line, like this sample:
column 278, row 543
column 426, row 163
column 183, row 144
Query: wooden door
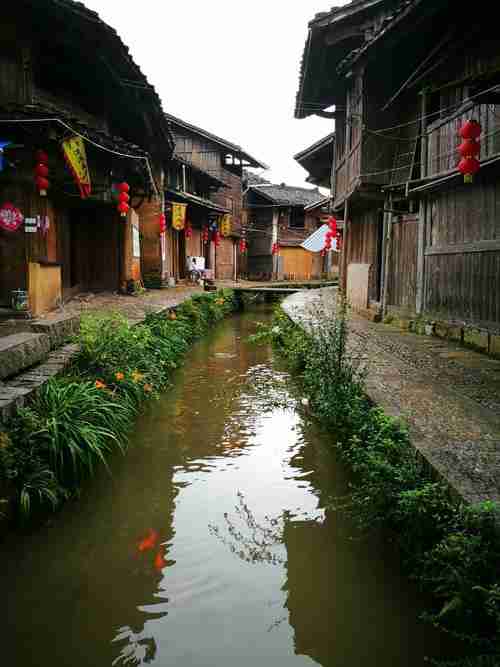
column 12, row 264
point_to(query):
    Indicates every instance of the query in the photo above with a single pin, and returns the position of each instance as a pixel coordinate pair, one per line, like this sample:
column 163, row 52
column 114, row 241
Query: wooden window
column 297, row 218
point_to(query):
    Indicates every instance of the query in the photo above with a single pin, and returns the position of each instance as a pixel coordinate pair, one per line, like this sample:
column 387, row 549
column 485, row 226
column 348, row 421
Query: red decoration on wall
column 11, row 217
column 123, row 199
column 41, row 173
column 204, row 235
column 243, row 246
column 469, row 150
column 162, row 222
column 216, row 238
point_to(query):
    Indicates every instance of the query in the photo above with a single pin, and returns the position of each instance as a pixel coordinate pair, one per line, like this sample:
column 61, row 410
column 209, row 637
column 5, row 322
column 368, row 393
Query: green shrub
column 73, row 425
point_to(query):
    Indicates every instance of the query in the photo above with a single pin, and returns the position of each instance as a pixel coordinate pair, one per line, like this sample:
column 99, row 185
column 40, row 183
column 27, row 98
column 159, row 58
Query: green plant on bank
column 451, row 549
column 76, row 421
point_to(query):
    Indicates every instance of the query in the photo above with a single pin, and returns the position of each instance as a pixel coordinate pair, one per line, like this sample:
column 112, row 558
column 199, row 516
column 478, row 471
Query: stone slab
column 58, row 329
column 20, row 351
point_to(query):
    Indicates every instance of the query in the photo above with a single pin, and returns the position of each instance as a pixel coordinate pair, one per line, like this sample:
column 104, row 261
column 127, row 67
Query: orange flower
column 148, row 388
column 119, row 376
column 99, row 385
column 172, row 315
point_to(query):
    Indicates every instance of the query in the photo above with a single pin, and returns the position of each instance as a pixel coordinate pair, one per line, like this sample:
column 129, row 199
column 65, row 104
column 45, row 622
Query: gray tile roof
column 287, row 195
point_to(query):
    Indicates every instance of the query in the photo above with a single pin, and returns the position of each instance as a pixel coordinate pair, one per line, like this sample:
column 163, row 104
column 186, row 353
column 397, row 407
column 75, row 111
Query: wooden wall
column 402, row 263
column 462, row 255
column 297, row 263
column 363, row 245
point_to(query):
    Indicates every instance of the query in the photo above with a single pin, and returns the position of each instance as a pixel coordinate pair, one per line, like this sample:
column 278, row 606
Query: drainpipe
column 184, row 178
column 276, row 214
column 387, row 253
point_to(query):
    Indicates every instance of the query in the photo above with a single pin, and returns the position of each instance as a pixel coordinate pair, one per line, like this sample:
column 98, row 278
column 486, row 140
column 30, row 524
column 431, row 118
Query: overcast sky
column 229, row 66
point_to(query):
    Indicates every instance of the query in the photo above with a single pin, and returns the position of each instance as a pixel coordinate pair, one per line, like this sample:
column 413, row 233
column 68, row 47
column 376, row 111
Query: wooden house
column 317, row 160
column 418, row 240
column 65, row 74
column 284, row 215
column 223, row 162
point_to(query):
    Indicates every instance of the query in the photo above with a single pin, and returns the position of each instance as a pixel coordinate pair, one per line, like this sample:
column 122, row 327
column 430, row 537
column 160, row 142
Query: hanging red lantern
column 188, row 230
column 323, row 253
column 216, row 238
column 332, row 224
column 275, row 249
column 162, row 222
column 468, row 166
column 123, row 199
column 339, row 240
column 204, row 234
column 42, row 172
column 243, row 246
column 469, row 150
column 470, row 130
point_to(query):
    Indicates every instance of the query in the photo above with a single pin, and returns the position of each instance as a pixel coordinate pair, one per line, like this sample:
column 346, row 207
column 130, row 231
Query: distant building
column 284, row 215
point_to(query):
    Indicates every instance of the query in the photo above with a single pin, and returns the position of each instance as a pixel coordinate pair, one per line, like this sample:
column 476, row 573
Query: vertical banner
column 178, row 216
column 226, row 225
column 76, row 159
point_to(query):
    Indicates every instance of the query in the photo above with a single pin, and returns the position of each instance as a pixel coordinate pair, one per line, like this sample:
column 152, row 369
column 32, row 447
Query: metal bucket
column 19, row 300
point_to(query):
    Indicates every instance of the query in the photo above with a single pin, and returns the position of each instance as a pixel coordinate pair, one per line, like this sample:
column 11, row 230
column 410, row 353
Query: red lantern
column 332, row 224
column 41, row 173
column 468, row 166
column 469, row 148
column 216, row 238
column 470, row 130
column 275, row 249
column 204, row 234
column 123, row 199
column 243, row 246
column 323, row 253
column 339, row 241
column 162, row 222
column 188, row 231
column 123, row 209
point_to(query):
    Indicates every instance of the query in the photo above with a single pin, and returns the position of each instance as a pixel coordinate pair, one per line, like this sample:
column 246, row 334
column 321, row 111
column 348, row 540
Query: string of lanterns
column 42, row 172
column 469, row 150
column 275, row 248
column 123, row 199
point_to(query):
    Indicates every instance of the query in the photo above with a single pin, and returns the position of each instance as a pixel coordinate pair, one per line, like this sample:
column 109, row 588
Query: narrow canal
column 211, row 544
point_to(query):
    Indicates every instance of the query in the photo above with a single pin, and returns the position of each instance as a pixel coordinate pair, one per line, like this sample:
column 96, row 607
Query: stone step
column 20, row 351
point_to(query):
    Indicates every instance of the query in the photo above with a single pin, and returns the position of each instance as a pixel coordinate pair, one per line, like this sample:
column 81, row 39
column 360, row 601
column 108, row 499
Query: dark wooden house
column 65, row 73
column 317, row 160
column 223, row 162
column 281, row 214
column 400, row 78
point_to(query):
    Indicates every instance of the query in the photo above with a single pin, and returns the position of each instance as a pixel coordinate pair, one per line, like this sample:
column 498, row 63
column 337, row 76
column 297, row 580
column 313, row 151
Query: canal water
column 212, row 542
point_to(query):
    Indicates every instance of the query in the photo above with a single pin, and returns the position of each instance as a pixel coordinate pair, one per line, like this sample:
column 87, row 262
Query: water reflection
column 212, row 543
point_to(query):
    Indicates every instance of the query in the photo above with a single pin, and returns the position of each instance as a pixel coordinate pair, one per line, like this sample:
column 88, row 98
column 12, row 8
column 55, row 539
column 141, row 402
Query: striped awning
column 316, row 242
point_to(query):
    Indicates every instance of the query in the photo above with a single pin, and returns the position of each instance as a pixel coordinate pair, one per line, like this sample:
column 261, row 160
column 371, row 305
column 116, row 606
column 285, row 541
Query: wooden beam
column 464, row 248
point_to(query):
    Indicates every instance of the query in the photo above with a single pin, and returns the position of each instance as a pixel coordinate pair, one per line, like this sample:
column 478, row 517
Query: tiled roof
column 318, row 145
column 286, row 195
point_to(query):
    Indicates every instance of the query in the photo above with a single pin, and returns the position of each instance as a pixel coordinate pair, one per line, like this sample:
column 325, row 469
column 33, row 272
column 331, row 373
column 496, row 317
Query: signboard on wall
column 136, row 242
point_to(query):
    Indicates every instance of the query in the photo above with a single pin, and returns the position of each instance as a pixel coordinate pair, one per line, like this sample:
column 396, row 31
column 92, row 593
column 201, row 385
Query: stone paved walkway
column 448, row 395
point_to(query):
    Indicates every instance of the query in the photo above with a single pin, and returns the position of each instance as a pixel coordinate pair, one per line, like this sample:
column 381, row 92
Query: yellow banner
column 178, row 216
column 76, row 159
column 226, row 225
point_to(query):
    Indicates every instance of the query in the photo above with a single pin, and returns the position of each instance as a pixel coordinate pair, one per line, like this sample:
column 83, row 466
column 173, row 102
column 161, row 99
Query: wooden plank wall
column 463, row 252
column 363, row 244
column 402, row 276
column 297, row 263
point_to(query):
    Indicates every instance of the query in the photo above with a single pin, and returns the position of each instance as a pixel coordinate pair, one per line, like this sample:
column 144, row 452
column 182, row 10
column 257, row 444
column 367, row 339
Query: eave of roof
column 198, row 201
column 228, row 145
column 138, row 78
column 317, row 146
column 283, row 195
